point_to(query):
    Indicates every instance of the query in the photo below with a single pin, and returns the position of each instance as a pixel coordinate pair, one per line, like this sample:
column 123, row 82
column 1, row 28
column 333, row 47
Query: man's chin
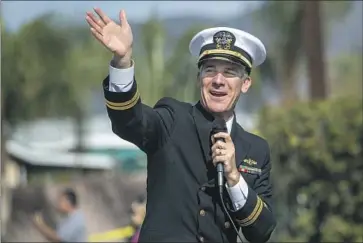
column 216, row 106
column 218, row 109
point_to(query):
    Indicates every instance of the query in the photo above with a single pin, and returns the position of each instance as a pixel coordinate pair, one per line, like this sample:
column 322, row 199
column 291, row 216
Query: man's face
column 221, row 84
column 63, row 204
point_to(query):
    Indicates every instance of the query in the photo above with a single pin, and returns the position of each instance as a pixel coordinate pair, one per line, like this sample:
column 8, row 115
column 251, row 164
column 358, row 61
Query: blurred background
column 306, row 100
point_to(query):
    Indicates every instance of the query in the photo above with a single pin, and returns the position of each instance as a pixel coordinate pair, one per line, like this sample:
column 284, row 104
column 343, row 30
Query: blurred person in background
column 183, row 203
column 72, row 228
column 138, row 210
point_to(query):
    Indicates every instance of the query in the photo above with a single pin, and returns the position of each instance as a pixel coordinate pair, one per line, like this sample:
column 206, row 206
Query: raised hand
column 38, row 219
column 115, row 37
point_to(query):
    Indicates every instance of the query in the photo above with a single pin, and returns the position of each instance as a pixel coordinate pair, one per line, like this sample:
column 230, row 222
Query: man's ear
column 247, row 82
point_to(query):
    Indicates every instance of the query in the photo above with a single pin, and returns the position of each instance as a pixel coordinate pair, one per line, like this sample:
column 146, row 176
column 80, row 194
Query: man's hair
column 71, row 196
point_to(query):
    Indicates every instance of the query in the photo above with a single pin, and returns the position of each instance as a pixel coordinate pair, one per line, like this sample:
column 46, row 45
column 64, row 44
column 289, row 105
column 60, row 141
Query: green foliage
column 346, row 75
column 317, row 169
column 150, row 58
column 285, row 41
column 285, row 44
column 183, row 82
column 51, row 69
column 165, row 70
column 31, row 59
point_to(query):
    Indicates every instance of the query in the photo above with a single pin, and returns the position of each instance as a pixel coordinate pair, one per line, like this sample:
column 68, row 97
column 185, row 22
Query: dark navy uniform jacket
column 183, row 203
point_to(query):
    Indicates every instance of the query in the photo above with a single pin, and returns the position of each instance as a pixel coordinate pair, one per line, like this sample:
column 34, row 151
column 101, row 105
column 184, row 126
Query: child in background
column 138, row 209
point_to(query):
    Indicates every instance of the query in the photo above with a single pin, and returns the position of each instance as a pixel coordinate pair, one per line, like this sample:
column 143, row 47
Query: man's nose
column 218, row 79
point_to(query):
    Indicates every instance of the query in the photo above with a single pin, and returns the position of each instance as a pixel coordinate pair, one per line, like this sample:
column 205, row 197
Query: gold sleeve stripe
column 259, row 201
column 229, row 52
column 126, row 105
column 254, row 215
column 135, row 97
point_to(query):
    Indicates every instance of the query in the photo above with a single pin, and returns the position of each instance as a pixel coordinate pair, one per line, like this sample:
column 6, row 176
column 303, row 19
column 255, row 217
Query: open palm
column 115, row 37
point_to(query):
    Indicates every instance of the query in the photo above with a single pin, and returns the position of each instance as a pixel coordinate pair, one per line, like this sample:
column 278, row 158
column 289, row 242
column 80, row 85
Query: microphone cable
column 219, row 125
column 229, row 216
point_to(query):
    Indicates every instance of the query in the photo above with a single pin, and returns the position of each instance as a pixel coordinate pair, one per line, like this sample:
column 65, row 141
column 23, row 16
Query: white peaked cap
column 229, row 44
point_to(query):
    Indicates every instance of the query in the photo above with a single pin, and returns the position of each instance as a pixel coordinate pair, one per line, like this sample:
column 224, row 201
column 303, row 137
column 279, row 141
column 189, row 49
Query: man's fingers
column 123, row 19
column 223, row 135
column 220, row 158
column 96, row 20
column 94, row 25
column 103, row 16
column 217, row 153
column 219, row 145
column 97, row 35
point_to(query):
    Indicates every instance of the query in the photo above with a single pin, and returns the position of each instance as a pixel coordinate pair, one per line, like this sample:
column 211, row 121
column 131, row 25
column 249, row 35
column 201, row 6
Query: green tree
column 50, row 71
column 151, row 60
column 5, row 37
column 84, row 74
column 164, row 69
column 317, row 154
column 285, row 20
column 182, row 77
column 346, row 75
column 32, row 84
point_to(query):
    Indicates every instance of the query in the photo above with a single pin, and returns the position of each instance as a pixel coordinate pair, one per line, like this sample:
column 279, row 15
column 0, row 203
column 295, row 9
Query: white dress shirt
column 121, row 80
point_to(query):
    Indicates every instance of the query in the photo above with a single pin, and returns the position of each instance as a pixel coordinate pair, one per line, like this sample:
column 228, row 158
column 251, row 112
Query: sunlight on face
column 221, row 84
column 63, row 204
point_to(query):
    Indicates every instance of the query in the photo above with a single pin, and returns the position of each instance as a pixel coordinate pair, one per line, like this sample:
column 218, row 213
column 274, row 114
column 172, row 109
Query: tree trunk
column 5, row 192
column 289, row 94
column 2, row 136
column 3, row 151
column 290, row 54
column 320, row 215
column 314, row 49
column 79, row 120
column 79, row 130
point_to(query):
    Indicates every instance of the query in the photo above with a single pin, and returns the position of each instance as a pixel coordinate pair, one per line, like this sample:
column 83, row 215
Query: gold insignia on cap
column 224, row 40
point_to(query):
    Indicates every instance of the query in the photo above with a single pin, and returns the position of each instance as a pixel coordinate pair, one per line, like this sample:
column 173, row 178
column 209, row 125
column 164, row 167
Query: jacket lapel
column 242, row 146
column 203, row 122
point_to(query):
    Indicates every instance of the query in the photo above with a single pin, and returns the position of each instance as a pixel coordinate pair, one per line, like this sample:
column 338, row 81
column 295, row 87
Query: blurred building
column 29, row 165
column 44, row 151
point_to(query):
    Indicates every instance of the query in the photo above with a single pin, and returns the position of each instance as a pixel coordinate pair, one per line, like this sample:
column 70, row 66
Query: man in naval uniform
column 183, row 203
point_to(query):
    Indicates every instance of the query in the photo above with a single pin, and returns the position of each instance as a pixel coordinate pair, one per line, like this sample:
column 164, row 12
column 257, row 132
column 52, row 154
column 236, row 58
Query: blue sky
column 16, row 13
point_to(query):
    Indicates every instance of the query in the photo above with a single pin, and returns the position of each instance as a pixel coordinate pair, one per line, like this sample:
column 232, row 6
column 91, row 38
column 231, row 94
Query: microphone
column 219, row 125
